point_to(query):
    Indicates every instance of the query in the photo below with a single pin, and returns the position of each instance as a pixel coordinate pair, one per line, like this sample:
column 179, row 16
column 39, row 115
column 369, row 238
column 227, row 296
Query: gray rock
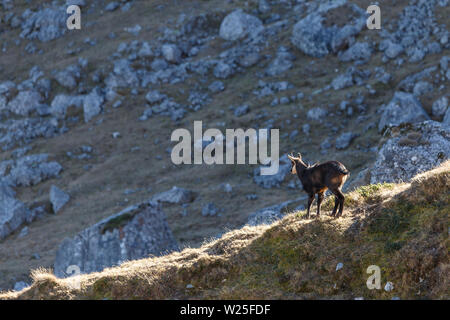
column 45, row 25
column 393, row 50
column 29, row 170
column 421, row 88
column 241, row 110
column 171, row 53
column 216, row 86
column 25, row 102
column 16, row 132
column 154, row 96
column 62, row 102
column 446, row 120
column 316, row 113
column 403, row 108
column 359, row 51
column 311, row 37
column 344, row 140
column 440, row 106
column 112, row 6
column 281, row 63
column 238, row 25
column 175, row 195
column 404, row 156
column 13, row 213
column 210, row 209
column 134, row 233
column 222, row 70
column 342, row 81
column 92, row 105
column 58, row 198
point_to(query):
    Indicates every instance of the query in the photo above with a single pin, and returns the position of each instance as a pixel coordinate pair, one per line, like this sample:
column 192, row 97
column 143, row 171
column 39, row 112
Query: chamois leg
column 336, row 204
column 310, row 201
column 320, row 197
column 341, row 202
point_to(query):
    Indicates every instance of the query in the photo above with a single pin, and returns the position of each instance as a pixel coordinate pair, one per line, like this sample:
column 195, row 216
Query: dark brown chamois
column 316, row 179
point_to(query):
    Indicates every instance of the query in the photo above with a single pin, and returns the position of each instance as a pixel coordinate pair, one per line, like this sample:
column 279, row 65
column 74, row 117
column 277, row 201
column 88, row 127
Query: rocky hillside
column 86, row 118
column 400, row 228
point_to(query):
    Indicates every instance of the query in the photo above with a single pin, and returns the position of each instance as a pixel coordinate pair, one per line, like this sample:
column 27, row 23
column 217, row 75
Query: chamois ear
column 291, row 157
column 299, row 155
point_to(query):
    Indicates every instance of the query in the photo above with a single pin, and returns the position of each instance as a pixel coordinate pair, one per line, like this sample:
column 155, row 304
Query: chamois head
column 296, row 162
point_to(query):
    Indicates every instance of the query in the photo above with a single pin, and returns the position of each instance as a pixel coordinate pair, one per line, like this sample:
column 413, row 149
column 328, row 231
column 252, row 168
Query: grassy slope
column 402, row 228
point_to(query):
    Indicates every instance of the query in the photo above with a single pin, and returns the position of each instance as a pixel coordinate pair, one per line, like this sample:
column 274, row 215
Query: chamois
column 316, row 179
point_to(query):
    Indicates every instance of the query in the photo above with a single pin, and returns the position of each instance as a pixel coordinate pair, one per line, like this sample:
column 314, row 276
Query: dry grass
column 401, row 228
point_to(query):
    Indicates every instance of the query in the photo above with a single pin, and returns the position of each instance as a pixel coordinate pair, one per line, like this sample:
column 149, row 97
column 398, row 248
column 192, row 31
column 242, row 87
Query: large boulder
column 134, row 233
column 416, row 149
column 238, row 25
column 311, row 36
column 45, row 25
column 92, row 104
column 58, row 198
column 28, row 170
column 25, row 102
column 403, row 108
column 13, row 213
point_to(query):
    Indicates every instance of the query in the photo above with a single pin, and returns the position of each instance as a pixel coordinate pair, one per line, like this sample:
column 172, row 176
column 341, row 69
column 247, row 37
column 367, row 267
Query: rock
column 92, row 105
column 446, row 120
column 316, row 114
column 14, row 132
column 222, row 70
column 29, row 170
column 311, row 37
column 241, row 110
column 175, row 195
column 123, row 75
column 403, row 108
column 421, row 88
column 171, row 53
column 440, row 107
column 238, row 25
column 23, row 232
column 154, row 96
column 423, row 147
column 209, row 209
column 67, row 79
column 13, row 213
column 45, row 25
column 134, row 233
column 19, row 286
column 393, row 50
column 281, row 63
column 25, row 102
column 344, row 140
column 339, row 266
column 58, row 198
column 216, row 86
column 112, row 6
column 342, row 81
column 227, row 188
column 359, row 51
column 62, row 102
